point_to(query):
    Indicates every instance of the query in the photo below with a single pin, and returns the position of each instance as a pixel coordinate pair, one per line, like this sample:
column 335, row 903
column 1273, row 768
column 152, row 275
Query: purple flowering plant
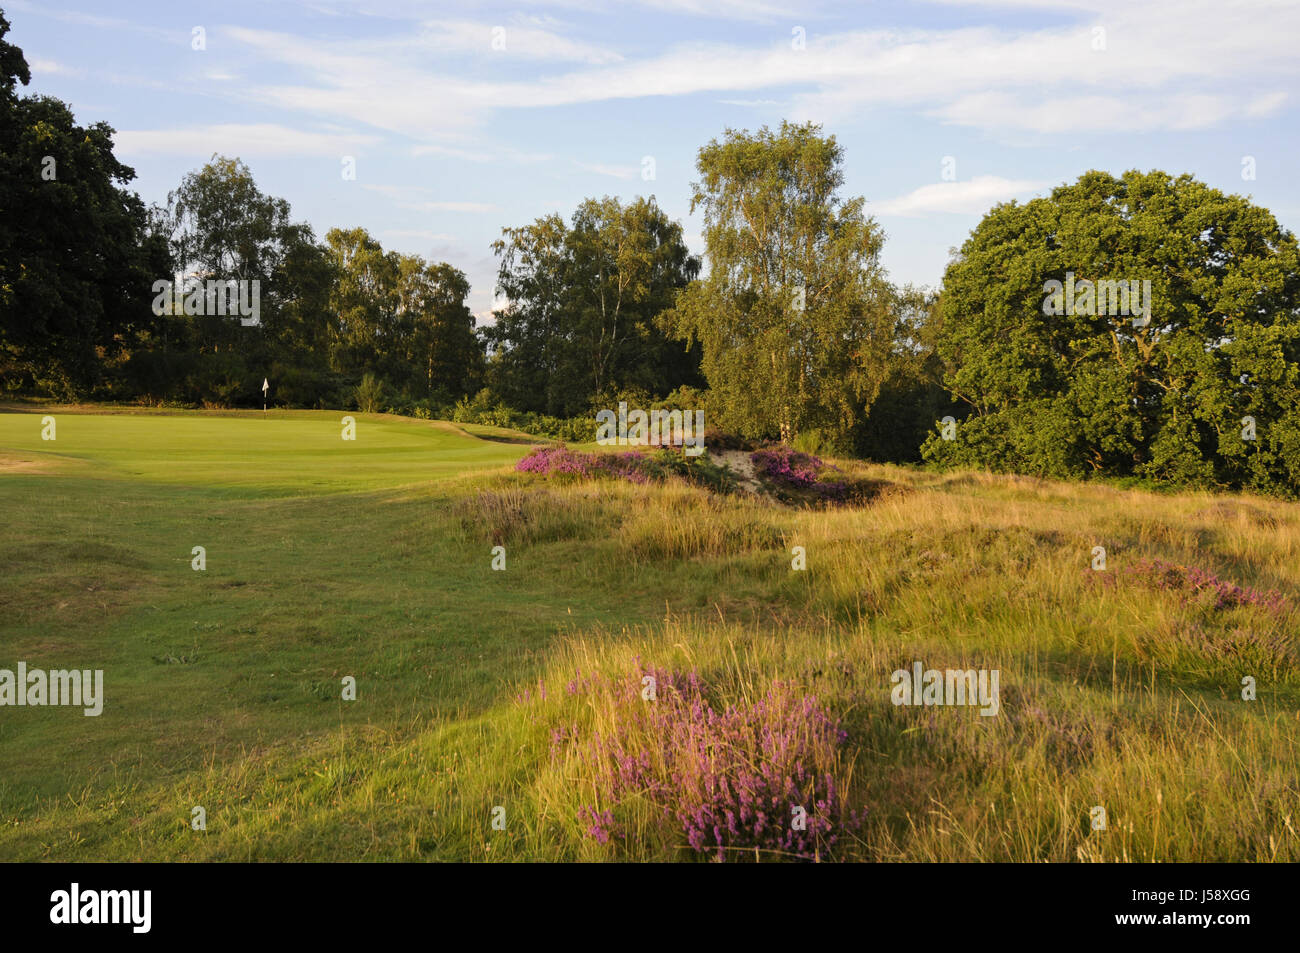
column 635, row 466
column 738, row 779
column 1196, row 583
column 798, row 474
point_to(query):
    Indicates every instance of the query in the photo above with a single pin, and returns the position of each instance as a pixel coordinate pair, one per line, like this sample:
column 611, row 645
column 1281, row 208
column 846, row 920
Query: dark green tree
column 581, row 324
column 223, row 228
column 443, row 357
column 1058, row 380
column 77, row 251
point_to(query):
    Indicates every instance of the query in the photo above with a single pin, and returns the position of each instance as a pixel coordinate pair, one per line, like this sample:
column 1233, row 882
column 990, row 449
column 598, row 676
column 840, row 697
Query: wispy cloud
column 534, row 38
column 421, row 233
column 971, row 197
column 414, row 197
column 53, row 67
column 456, row 207
column 1142, row 60
column 242, row 139
column 489, row 155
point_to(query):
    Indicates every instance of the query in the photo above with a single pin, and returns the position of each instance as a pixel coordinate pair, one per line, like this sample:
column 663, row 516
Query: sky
column 461, row 119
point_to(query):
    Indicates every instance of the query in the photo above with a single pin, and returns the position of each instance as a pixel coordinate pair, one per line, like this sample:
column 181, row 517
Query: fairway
column 96, row 555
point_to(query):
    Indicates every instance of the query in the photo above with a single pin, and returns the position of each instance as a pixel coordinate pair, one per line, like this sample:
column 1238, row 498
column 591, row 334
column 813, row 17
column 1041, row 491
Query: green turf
column 283, row 452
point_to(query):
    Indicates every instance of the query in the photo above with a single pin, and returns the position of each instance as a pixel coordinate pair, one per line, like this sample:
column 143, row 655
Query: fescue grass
column 327, row 558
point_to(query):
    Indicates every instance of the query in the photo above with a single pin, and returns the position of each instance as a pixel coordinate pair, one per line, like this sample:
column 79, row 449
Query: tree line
column 789, row 329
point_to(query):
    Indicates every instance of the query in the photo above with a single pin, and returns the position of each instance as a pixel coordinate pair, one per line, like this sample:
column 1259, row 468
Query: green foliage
column 369, row 394
column 487, row 409
column 401, row 318
column 795, row 320
column 1078, row 394
column 699, row 470
column 583, row 302
column 330, row 313
column 77, row 251
column 911, row 396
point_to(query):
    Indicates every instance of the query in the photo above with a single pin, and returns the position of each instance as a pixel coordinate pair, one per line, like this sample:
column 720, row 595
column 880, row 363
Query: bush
column 732, row 779
column 635, row 466
column 798, row 477
column 297, row 386
column 698, row 470
column 486, row 409
column 1200, row 585
column 369, row 394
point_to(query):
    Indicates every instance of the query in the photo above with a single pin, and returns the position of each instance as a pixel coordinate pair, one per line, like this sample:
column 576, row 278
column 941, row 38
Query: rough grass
column 223, row 687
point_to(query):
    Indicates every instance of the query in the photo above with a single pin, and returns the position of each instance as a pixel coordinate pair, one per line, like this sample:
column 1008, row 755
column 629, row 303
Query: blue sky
column 464, row 118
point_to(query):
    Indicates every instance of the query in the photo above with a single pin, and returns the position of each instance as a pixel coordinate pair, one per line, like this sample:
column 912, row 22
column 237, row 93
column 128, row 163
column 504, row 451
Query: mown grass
column 223, row 687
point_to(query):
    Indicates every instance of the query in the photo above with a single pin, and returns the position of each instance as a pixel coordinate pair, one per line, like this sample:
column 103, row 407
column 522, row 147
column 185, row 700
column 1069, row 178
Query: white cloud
column 1200, row 64
column 407, row 193
column 1096, row 114
column 1267, row 105
column 969, row 197
column 413, row 197
column 242, row 139
column 456, row 207
column 725, row 9
column 528, row 37
column 40, row 65
column 470, row 155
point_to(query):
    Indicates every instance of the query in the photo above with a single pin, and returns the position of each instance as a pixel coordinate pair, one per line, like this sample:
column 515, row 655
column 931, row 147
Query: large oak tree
column 1092, row 392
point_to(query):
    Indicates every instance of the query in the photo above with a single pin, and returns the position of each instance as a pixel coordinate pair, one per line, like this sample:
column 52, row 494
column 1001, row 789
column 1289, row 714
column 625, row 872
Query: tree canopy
column 1142, row 325
column 77, row 251
column 1177, row 397
column 580, row 324
column 795, row 316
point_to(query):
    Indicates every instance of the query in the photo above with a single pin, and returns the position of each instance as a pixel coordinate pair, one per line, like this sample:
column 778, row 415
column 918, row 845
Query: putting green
column 285, row 452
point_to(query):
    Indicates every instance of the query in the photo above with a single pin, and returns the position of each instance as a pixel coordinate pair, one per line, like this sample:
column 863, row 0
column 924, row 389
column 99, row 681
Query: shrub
column 486, row 409
column 796, row 476
column 733, row 778
column 555, row 460
column 1198, row 584
column 369, row 394
column 633, row 465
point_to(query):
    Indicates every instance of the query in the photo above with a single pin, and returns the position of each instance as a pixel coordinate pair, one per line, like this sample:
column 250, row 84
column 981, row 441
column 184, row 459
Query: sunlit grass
column 223, row 686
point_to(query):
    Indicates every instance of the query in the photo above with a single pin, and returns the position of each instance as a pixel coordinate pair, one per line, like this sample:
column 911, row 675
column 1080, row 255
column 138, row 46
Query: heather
column 1199, row 585
column 737, row 780
column 634, row 466
column 794, row 476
